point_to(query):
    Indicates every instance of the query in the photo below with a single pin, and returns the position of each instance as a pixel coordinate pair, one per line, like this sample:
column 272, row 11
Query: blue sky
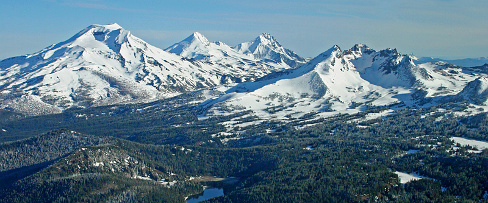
column 439, row 28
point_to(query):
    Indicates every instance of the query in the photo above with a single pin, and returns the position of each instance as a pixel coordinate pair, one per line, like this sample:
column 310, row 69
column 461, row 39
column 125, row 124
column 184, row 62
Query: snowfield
column 351, row 81
column 480, row 145
column 105, row 64
column 405, row 177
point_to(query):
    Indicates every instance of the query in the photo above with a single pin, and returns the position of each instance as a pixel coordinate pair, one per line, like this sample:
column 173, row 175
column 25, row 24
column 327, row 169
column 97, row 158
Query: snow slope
column 388, row 68
column 106, row 64
column 264, row 50
column 266, row 47
column 476, row 91
column 258, row 58
column 348, row 81
column 328, row 83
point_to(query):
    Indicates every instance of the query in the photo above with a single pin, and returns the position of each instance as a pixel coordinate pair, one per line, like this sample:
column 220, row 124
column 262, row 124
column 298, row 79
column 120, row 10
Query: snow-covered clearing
column 309, row 148
column 97, row 164
column 405, row 177
column 480, row 145
column 142, row 177
column 167, row 183
column 372, row 116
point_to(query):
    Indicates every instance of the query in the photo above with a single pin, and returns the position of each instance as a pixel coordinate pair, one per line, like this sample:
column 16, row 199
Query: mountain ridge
column 350, row 81
column 106, row 64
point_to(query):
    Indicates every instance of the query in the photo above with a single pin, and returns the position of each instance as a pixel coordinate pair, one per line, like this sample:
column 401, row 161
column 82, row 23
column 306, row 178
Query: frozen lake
column 208, row 193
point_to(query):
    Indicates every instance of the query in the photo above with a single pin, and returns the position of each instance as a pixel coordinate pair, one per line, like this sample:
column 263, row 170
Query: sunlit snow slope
column 106, row 64
column 254, row 59
column 350, row 81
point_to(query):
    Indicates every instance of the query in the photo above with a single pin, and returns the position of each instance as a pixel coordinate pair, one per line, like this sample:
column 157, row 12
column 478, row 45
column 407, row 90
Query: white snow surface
column 142, row 177
column 262, row 56
column 481, row 145
column 106, row 64
column 476, row 91
column 97, row 164
column 350, row 81
column 405, row 177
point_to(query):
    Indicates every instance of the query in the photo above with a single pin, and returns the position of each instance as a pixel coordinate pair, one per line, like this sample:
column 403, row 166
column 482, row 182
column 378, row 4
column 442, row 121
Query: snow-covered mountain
column 389, row 69
column 106, row 64
column 197, row 46
column 266, row 47
column 349, row 81
column 467, row 62
column 476, row 91
column 264, row 53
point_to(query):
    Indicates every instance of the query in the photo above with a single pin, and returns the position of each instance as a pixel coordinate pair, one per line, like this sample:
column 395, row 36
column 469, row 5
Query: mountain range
column 467, row 62
column 106, row 117
column 352, row 81
column 105, row 64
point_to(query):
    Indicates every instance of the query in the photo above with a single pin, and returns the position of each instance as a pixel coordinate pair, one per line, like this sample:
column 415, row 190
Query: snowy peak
column 329, row 82
column 262, row 43
column 386, row 68
column 358, row 50
column 264, row 50
column 113, row 26
column 334, row 51
column 112, row 34
column 198, row 36
column 97, row 29
column 334, row 68
column 195, row 46
column 330, row 56
column 265, row 39
column 359, row 47
column 266, row 47
column 476, row 91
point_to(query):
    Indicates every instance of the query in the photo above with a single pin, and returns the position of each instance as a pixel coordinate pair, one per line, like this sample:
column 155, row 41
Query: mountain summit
column 194, row 46
column 100, row 65
column 262, row 43
column 265, row 46
column 264, row 49
column 350, row 81
column 106, row 64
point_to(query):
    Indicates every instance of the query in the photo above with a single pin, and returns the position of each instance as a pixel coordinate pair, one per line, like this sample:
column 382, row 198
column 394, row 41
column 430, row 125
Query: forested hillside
column 346, row 158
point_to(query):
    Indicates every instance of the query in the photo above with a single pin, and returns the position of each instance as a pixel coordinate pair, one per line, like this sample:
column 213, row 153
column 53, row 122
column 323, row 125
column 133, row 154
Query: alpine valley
column 106, row 117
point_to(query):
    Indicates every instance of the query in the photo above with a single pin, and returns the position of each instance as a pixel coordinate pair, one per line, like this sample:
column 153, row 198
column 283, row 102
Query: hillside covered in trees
column 105, row 156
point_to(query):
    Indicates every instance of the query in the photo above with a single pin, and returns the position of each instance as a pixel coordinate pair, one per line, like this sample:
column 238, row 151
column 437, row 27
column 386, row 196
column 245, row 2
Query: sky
column 448, row 29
